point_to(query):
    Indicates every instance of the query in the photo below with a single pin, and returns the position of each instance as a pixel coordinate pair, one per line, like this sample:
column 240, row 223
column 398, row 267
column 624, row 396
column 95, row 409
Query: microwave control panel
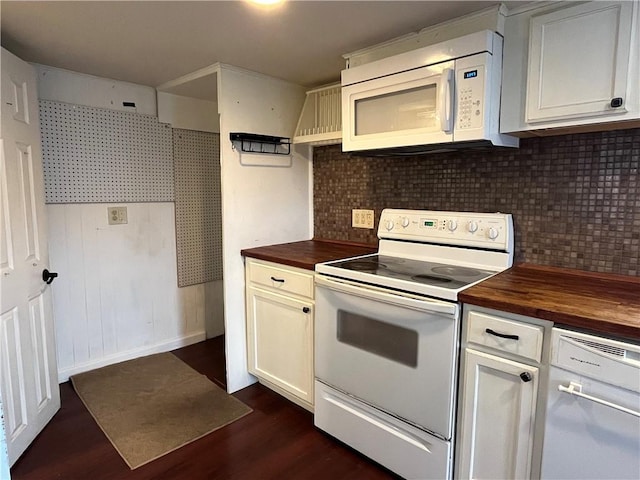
column 470, row 82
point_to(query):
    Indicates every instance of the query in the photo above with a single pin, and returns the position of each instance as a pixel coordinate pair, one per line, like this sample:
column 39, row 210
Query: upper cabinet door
column 579, row 61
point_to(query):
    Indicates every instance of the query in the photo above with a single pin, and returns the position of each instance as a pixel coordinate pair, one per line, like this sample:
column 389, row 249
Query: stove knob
column 389, row 225
column 405, row 222
column 472, row 226
column 452, row 225
column 492, row 233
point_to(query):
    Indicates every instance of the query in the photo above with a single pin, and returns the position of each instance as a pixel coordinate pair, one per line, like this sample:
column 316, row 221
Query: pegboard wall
column 198, row 206
column 94, row 155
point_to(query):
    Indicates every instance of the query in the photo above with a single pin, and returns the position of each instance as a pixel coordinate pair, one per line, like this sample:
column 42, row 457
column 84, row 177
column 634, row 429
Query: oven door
column 395, row 352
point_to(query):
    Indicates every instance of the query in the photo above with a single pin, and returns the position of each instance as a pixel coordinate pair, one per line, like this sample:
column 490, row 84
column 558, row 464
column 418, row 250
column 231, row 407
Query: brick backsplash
column 575, row 199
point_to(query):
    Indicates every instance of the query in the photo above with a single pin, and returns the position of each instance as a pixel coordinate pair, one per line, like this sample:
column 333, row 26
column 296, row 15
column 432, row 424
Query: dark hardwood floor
column 277, row 440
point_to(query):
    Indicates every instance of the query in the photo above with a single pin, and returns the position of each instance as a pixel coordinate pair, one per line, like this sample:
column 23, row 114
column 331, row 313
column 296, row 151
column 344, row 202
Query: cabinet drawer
column 494, row 332
column 281, row 278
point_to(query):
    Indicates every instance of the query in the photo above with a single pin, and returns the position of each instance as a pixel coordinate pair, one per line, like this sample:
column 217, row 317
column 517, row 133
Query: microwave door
column 404, row 109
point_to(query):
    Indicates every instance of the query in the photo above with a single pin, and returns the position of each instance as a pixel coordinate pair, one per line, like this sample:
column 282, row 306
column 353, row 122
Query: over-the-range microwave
column 439, row 97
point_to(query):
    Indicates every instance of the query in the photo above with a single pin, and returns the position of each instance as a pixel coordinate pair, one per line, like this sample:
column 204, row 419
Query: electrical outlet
column 362, row 218
column 117, row 215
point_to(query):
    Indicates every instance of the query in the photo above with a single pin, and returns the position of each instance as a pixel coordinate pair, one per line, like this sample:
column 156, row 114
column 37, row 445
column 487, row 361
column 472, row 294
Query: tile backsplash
column 575, row 199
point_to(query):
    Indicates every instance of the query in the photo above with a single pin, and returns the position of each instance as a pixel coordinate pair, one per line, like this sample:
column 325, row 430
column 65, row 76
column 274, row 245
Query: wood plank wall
column 117, row 295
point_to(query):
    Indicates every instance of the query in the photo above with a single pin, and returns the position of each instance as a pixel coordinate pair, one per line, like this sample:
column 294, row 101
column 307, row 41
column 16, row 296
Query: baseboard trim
column 65, row 373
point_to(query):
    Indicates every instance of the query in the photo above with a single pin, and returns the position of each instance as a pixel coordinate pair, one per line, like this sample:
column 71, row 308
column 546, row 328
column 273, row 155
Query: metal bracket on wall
column 263, row 144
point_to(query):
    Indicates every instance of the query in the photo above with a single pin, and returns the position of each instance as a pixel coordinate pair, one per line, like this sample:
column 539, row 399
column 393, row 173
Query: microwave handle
column 445, row 101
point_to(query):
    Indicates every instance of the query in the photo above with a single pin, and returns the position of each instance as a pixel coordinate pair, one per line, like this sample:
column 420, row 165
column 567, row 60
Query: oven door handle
column 375, row 293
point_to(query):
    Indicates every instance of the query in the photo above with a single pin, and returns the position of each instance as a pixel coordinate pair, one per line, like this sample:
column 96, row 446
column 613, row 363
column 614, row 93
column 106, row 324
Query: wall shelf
column 320, row 121
column 264, row 144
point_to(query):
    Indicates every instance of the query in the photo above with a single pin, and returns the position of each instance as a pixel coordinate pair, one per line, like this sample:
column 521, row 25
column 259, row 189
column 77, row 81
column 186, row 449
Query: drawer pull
column 279, row 280
column 502, row 335
column 306, row 309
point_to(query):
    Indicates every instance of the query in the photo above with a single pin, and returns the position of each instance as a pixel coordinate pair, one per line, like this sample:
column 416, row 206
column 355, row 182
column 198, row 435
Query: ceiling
column 150, row 43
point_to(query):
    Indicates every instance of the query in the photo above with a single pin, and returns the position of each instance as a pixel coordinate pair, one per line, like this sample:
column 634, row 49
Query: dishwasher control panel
column 600, row 358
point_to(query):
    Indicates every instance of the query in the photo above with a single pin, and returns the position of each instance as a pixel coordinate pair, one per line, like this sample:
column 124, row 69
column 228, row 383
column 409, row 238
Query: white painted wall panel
column 82, row 89
column 117, row 295
column 260, row 205
column 214, row 308
column 188, row 113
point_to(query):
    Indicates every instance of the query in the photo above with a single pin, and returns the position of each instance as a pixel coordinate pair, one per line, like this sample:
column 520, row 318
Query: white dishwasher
column 592, row 426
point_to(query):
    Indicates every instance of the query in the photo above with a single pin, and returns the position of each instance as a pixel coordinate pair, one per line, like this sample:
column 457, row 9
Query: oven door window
column 389, row 341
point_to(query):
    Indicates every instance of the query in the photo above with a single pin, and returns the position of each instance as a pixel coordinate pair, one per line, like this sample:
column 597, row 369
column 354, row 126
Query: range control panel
column 485, row 230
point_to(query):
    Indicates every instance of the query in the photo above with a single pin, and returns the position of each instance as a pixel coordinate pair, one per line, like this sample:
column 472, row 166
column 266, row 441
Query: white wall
column 117, row 296
column 261, row 205
column 188, row 113
column 71, row 87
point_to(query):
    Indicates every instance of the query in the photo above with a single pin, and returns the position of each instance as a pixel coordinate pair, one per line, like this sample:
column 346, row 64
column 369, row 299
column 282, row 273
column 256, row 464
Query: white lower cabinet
column 499, row 414
column 500, row 400
column 280, row 329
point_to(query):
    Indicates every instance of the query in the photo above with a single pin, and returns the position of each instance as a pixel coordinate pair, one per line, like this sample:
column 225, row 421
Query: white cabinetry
column 571, row 64
column 280, row 328
column 499, row 396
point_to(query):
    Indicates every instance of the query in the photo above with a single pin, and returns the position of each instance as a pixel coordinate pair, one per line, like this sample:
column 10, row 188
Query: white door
column 280, row 333
column 28, row 371
column 498, row 405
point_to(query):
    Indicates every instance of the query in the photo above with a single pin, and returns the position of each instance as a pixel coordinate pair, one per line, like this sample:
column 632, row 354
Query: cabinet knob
column 526, row 377
column 616, row 102
column 306, row 309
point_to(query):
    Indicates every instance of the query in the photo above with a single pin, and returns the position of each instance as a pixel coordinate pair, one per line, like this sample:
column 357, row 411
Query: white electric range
column 386, row 335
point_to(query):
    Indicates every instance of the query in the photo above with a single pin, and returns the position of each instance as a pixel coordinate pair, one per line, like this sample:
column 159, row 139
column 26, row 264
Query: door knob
column 48, row 276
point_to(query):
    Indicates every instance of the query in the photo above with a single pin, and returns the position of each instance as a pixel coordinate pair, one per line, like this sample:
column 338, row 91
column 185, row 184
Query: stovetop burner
column 456, row 271
column 431, row 279
column 425, row 273
column 364, row 265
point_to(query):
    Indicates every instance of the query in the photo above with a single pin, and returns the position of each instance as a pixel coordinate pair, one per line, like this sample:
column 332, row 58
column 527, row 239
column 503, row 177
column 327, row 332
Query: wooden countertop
column 306, row 254
column 603, row 303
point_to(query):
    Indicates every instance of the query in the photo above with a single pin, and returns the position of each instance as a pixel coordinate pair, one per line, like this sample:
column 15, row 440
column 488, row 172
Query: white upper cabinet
column 569, row 64
column 578, row 62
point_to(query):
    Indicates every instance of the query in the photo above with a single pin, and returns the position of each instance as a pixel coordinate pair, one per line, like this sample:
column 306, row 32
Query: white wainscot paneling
column 117, row 296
